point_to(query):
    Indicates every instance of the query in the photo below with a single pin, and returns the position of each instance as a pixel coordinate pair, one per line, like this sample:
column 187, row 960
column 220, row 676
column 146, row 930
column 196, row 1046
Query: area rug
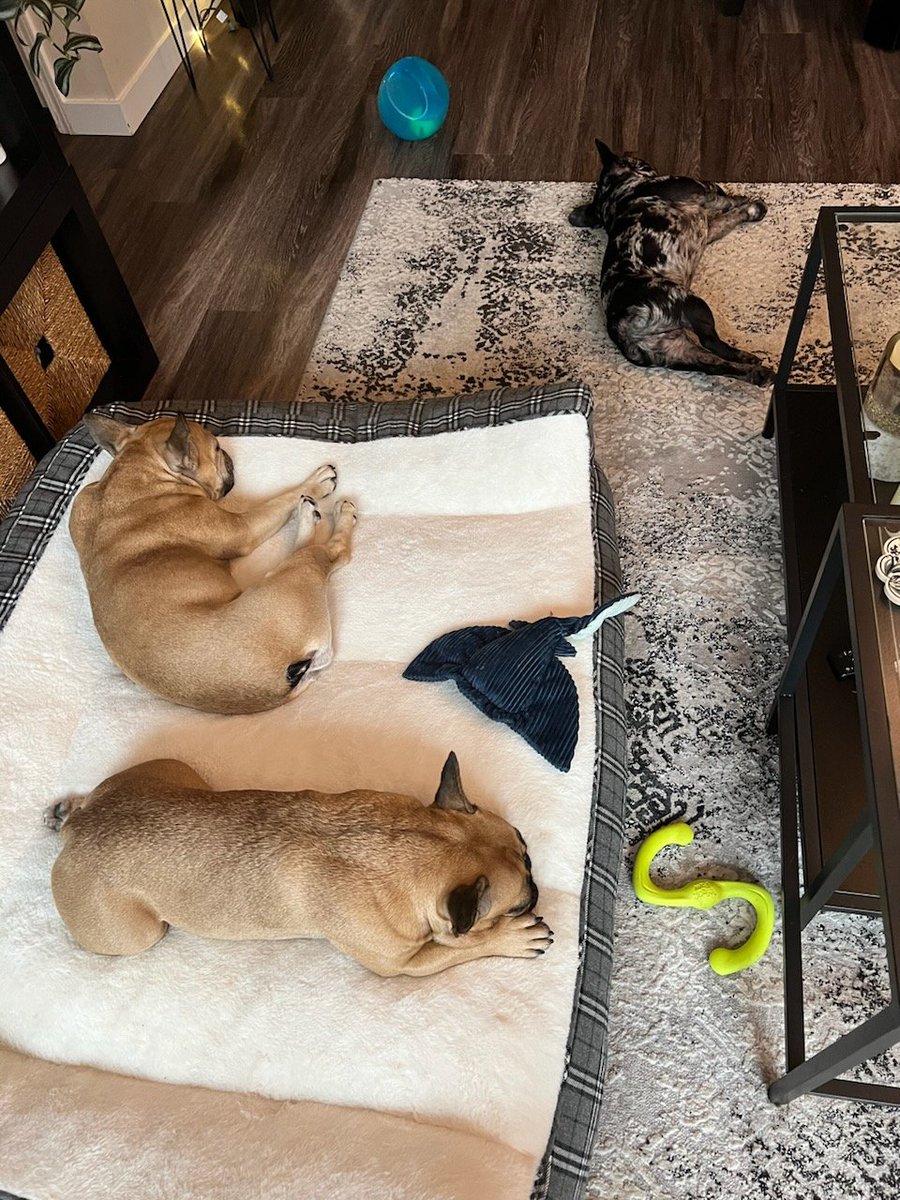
column 472, row 284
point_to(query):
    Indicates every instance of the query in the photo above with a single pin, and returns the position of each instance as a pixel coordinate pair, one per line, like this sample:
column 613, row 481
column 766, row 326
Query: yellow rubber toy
column 705, row 893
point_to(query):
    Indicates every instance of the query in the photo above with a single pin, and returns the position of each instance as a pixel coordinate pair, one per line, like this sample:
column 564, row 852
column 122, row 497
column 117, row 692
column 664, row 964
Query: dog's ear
column 109, row 435
column 450, row 795
column 607, row 158
column 467, row 904
column 179, row 451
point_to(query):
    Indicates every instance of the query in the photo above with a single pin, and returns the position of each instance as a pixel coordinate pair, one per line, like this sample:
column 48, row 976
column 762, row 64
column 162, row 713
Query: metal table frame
column 821, row 465
column 823, row 527
column 825, row 251
column 878, row 827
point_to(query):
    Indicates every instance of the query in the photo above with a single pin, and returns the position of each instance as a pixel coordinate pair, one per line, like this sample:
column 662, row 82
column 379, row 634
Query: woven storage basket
column 49, row 344
column 16, row 464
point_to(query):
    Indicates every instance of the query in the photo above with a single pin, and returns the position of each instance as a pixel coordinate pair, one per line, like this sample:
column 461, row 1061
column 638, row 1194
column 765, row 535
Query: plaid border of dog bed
column 43, row 501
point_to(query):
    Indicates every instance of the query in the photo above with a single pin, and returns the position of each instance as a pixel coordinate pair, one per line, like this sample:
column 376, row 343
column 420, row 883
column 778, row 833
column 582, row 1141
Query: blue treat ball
column 413, row 99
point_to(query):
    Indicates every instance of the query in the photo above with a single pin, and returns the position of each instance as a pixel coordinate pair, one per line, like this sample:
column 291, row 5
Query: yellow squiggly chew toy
column 705, row 893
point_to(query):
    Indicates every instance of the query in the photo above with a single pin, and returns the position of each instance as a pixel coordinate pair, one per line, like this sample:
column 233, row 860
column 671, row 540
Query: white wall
column 113, row 91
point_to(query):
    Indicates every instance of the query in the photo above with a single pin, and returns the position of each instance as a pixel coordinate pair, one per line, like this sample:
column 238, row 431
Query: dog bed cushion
column 483, row 1080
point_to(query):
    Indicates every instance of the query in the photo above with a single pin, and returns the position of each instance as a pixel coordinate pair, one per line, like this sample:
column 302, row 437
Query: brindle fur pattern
column 658, row 227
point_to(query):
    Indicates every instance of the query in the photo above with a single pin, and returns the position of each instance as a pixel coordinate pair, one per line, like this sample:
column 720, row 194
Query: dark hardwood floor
column 231, row 212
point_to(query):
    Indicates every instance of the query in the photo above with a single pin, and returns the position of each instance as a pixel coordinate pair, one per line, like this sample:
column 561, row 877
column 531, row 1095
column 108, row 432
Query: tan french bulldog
column 403, row 888
column 155, row 545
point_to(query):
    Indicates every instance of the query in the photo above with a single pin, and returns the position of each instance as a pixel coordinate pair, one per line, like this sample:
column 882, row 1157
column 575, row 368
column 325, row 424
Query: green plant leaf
column 66, row 11
column 44, row 11
column 33, row 55
column 81, row 41
column 62, row 73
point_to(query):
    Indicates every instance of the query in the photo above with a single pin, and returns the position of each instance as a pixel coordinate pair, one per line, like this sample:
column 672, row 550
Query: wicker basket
column 49, row 344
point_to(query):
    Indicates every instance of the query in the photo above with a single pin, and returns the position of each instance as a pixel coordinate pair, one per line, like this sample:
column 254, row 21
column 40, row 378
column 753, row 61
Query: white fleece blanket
column 460, row 528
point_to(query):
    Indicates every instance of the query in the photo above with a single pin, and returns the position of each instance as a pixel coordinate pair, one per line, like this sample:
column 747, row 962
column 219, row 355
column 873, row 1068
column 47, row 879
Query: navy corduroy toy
column 513, row 674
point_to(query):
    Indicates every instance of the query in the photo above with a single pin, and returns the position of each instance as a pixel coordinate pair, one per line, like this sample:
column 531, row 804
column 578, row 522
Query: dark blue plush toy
column 513, row 674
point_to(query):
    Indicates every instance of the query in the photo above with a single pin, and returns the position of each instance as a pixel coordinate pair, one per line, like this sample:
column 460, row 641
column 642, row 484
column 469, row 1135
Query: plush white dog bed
column 445, row 1086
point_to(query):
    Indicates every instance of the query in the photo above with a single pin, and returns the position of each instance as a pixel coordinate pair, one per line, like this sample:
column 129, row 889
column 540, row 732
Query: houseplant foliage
column 53, row 16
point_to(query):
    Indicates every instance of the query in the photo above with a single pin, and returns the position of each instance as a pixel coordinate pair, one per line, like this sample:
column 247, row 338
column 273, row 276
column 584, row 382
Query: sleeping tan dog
column 154, row 546
column 402, row 888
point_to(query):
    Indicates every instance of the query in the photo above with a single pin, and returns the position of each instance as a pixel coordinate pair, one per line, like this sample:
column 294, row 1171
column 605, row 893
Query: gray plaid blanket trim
column 42, row 503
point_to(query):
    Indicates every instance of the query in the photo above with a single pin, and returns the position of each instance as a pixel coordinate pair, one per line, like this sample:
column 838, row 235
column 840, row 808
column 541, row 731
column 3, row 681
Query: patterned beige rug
column 457, row 286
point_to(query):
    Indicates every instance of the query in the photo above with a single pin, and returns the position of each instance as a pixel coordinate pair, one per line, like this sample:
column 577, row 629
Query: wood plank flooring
column 231, row 212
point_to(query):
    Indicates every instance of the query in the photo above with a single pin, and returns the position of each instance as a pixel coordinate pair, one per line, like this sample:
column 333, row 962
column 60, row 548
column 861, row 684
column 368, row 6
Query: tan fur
column 380, row 875
column 155, row 545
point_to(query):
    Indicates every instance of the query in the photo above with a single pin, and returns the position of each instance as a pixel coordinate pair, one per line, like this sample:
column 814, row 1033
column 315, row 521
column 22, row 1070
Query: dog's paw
column 309, row 508
column 525, row 936
column 745, row 356
column 345, row 510
column 55, row 815
column 762, row 375
column 322, row 482
column 756, row 210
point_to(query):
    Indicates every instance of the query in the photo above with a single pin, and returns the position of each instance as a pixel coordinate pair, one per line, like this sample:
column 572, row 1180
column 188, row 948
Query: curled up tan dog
column 155, row 545
column 401, row 887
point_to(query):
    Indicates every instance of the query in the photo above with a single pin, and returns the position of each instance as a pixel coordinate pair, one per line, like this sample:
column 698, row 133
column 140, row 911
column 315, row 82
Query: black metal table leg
column 816, row 607
column 858, row 842
column 873, row 1037
column 792, row 947
column 792, row 340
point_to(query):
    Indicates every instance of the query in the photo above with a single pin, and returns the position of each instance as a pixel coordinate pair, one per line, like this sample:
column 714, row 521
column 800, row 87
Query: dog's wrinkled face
column 616, row 171
column 186, row 450
column 504, row 888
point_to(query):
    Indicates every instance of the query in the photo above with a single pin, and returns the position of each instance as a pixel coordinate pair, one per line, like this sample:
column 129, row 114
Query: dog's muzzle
column 530, row 903
column 584, row 217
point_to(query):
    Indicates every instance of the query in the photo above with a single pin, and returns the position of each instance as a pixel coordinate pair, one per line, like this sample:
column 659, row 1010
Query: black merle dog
column 658, row 227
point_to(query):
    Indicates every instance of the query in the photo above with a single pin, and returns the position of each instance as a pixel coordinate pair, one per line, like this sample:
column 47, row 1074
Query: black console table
column 837, row 711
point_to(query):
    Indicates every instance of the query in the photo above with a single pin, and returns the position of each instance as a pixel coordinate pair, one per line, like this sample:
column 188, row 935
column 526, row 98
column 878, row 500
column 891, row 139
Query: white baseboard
column 124, row 113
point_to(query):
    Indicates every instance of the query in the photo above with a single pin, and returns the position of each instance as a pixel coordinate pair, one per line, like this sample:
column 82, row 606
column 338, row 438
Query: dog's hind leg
column 740, row 211
column 676, row 351
column 98, row 916
column 337, row 547
column 699, row 318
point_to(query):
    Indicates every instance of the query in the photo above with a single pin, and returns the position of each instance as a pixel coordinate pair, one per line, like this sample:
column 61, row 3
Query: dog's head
column 618, row 173
column 183, row 448
column 494, row 855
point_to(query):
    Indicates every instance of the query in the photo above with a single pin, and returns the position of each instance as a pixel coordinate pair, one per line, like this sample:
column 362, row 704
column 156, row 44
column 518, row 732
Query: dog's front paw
column 526, row 936
column 756, row 210
column 762, row 375
column 322, row 482
column 309, row 508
